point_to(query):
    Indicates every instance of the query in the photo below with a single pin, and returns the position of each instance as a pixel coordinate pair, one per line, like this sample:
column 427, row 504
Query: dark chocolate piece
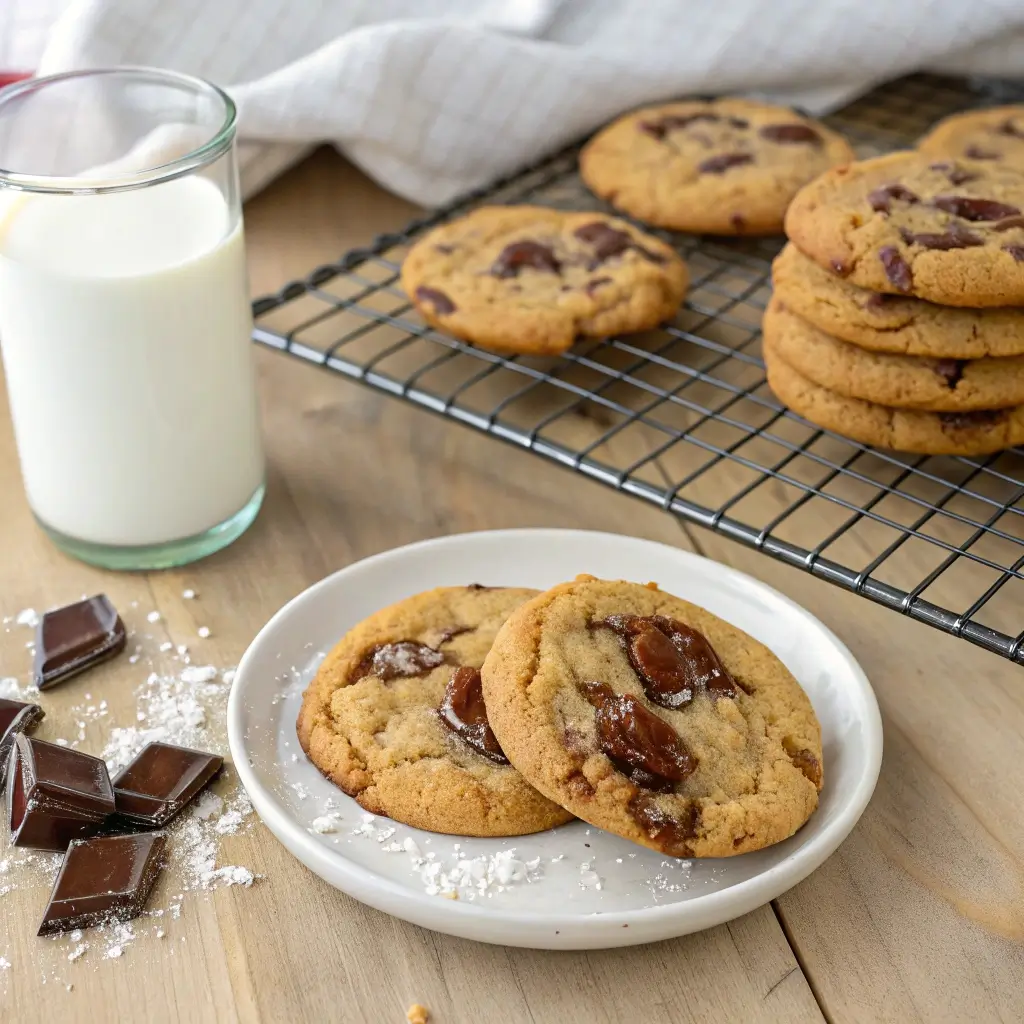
column 673, row 661
column 721, row 163
column 977, row 153
column 463, row 711
column 951, row 371
column 956, row 175
column 161, row 780
column 1009, row 224
column 974, row 209
column 441, row 302
column 1007, row 127
column 608, row 242
column 880, row 199
column 641, row 745
column 670, row 834
column 15, row 717
column 804, row 760
column 971, row 420
column 73, row 638
column 401, row 660
column 956, row 236
column 101, row 880
column 897, row 269
column 670, row 122
column 517, row 255
column 1016, row 251
column 55, row 794
column 789, row 133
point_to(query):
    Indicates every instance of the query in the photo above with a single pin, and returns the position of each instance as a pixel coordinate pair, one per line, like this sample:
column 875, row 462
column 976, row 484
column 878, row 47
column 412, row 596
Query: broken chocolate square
column 55, row 794
column 73, row 638
column 161, row 780
column 106, row 879
column 15, row 717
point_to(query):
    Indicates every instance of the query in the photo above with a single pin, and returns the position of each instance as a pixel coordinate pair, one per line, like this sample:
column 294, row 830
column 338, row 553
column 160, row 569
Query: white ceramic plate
column 589, row 889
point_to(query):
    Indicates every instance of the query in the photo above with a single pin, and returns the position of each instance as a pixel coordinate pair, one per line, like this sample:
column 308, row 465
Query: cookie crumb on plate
column 417, row 1014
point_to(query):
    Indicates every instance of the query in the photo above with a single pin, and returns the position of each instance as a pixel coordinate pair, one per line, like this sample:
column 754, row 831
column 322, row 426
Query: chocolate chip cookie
column 527, row 279
column 951, row 232
column 931, row 433
column 720, row 167
column 654, row 719
column 904, row 382
column 395, row 717
column 995, row 134
column 893, row 323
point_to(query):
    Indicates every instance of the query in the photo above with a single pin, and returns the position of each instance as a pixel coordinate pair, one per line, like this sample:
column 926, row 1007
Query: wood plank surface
column 919, row 916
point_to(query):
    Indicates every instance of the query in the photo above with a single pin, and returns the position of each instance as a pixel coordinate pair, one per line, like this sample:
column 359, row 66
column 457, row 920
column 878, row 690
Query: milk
column 125, row 326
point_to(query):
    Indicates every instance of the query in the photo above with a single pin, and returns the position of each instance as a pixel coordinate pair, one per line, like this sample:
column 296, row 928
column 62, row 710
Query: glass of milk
column 124, row 315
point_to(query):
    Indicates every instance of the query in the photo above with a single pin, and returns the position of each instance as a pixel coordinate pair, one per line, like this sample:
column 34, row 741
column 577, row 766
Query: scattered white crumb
column 166, row 646
column 113, row 952
column 151, row 617
column 198, row 674
column 27, row 617
column 231, row 875
column 325, row 824
column 189, row 595
column 78, row 951
column 203, row 631
column 5, row 964
column 208, row 805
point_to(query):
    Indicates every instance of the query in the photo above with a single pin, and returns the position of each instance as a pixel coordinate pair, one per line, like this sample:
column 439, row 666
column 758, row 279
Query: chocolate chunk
column 1008, row 127
column 672, row 660
column 639, row 743
column 896, row 268
column 451, row 632
column 464, row 712
column 1009, row 224
column 160, row 781
column 669, row 833
column 447, row 250
column 738, row 221
column 950, row 370
column 956, row 175
column 877, row 301
column 519, row 255
column 442, row 304
column 788, row 133
column 1016, row 251
column 974, row 209
column 880, row 199
column 608, row 242
column 671, row 122
column 721, row 163
column 981, row 419
column 15, row 717
column 840, row 268
column 401, row 660
column 55, row 794
column 596, row 283
column 103, row 880
column 806, row 762
column 956, row 236
column 977, row 153
column 72, row 639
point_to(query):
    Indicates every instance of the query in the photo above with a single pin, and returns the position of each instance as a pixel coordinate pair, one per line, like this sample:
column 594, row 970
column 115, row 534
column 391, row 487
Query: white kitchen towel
column 432, row 97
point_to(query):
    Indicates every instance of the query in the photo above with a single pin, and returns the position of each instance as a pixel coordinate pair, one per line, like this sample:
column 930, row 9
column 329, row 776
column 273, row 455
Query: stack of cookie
column 893, row 320
column 494, row 711
column 530, row 280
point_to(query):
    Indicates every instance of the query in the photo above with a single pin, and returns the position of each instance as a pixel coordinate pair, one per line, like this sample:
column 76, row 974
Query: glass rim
column 218, row 144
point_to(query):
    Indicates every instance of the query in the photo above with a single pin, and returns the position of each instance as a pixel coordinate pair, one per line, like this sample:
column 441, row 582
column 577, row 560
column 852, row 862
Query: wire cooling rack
column 682, row 417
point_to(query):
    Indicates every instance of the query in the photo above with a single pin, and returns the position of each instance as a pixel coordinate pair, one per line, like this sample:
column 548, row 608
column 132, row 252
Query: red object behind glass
column 9, row 77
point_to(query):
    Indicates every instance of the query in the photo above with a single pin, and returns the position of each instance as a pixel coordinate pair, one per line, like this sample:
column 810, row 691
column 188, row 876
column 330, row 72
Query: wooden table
column 918, row 917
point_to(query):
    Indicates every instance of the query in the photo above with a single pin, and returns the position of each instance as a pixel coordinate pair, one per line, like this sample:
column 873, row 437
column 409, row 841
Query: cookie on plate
column 531, row 280
column 950, row 232
column 907, row 430
column 892, row 323
column 395, row 717
column 654, row 719
column 995, row 134
column 720, row 167
column 904, row 382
